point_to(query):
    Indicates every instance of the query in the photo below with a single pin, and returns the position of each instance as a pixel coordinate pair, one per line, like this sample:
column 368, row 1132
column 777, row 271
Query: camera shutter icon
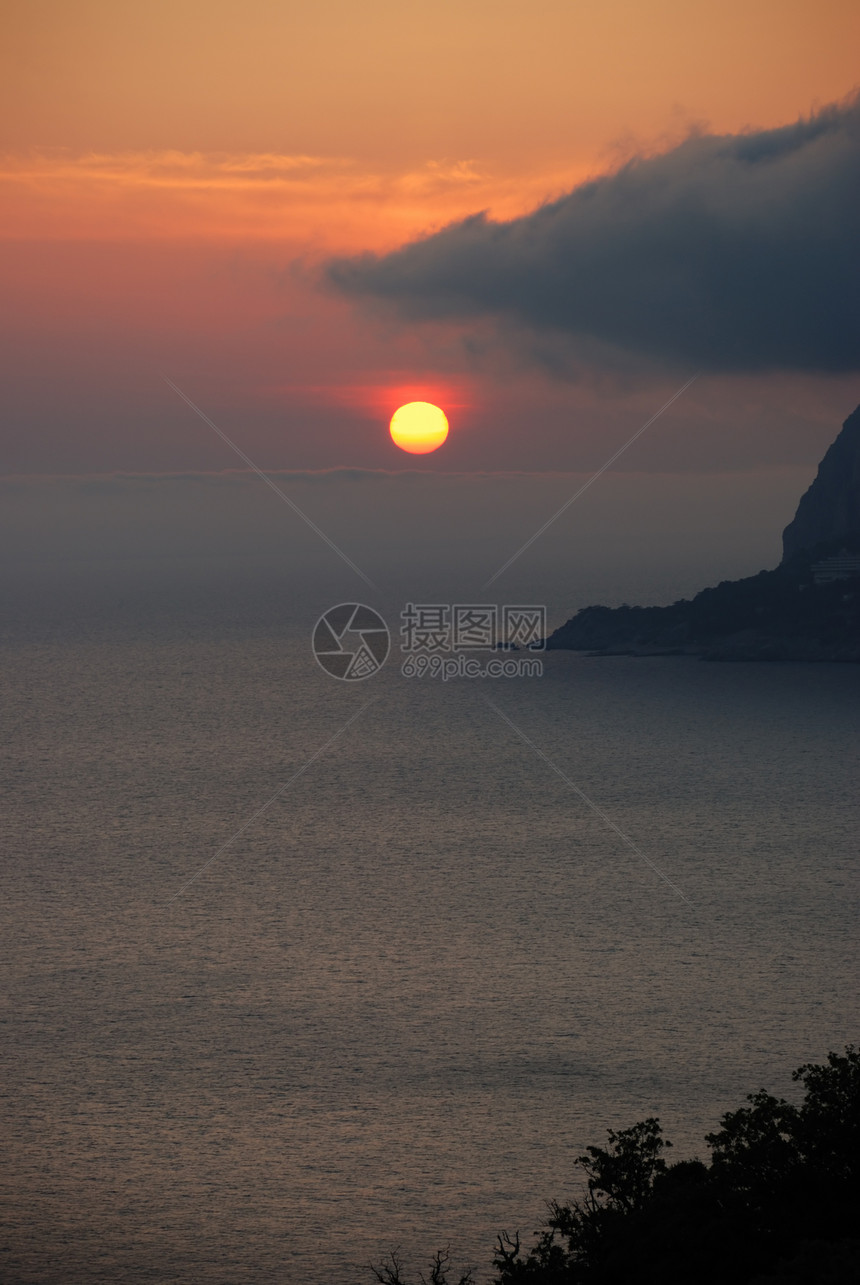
column 351, row 641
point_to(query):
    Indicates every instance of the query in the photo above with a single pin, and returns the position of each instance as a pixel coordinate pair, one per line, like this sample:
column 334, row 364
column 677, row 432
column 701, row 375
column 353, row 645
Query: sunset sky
column 193, row 189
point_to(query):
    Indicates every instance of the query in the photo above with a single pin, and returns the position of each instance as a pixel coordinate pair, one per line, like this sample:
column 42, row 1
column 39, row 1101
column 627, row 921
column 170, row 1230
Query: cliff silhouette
column 792, row 612
column 830, row 509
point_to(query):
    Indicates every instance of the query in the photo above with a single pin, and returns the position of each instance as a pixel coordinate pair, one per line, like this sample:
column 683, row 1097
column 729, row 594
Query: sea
column 299, row 971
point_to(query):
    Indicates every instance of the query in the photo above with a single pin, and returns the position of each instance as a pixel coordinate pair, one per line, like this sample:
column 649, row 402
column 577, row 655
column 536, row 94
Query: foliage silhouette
column 778, row 1203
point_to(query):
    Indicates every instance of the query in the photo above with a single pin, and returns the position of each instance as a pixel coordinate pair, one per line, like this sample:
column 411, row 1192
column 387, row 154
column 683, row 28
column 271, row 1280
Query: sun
column 418, row 427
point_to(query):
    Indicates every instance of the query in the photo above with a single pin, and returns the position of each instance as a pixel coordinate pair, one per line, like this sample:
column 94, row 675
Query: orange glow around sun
column 418, row 427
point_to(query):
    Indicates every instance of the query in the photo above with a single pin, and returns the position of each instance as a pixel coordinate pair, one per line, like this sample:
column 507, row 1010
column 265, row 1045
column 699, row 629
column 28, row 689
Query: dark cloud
column 728, row 253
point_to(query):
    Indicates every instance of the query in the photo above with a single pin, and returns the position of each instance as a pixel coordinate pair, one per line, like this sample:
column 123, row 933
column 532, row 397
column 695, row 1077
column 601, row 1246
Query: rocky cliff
column 782, row 614
column 831, row 507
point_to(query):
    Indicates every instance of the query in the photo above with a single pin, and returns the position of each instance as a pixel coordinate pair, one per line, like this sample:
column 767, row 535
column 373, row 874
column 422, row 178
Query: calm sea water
column 411, row 991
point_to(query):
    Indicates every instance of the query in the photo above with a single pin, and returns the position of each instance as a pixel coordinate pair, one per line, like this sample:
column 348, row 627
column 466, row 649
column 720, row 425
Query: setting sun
column 418, row 427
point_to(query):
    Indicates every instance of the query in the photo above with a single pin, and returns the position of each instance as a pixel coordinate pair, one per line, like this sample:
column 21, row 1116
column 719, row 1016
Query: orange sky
column 389, row 81
column 275, row 119
column 265, row 133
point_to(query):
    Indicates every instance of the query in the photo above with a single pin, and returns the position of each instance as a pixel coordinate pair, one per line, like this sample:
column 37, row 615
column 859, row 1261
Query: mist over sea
column 428, row 975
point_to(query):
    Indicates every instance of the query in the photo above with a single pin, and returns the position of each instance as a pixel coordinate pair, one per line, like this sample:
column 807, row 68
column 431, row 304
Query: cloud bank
column 636, row 537
column 735, row 253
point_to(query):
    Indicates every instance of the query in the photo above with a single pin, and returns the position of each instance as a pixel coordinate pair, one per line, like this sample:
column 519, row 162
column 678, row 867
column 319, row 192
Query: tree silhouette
column 781, row 1176
column 390, row 1270
column 778, row 1203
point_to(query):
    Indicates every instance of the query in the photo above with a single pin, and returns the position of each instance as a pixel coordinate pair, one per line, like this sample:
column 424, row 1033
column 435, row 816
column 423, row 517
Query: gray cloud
column 728, row 253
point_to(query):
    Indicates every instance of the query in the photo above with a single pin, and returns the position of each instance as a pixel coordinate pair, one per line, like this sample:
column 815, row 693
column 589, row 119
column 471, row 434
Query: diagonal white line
column 587, row 484
column 265, row 807
column 586, row 800
column 242, row 456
